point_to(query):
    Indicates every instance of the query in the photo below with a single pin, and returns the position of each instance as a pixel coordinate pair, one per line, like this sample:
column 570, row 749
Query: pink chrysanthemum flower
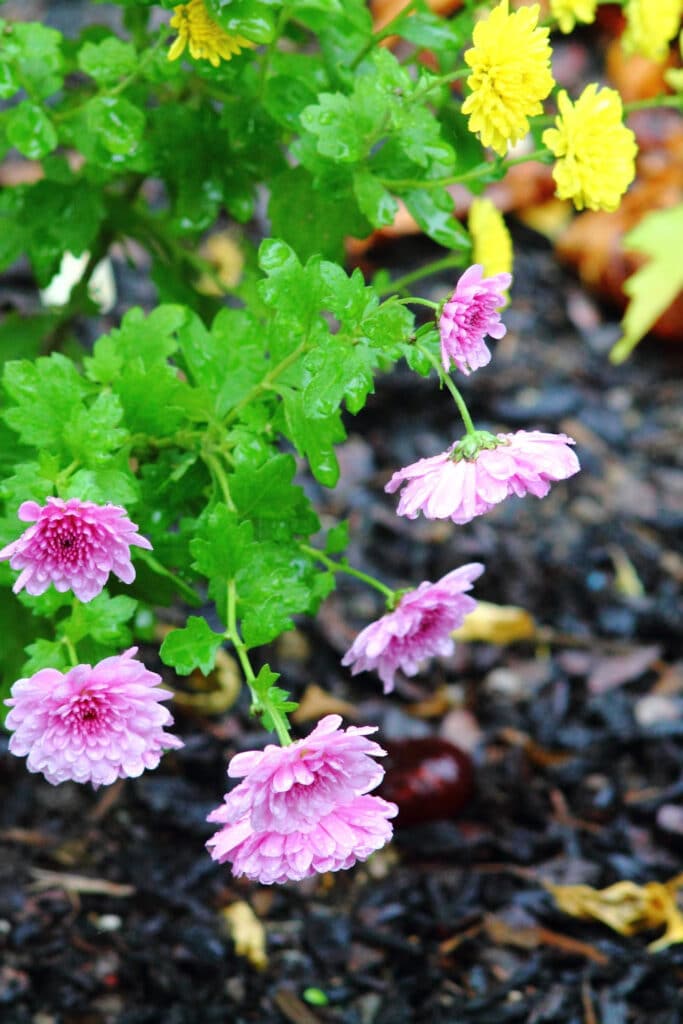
column 419, row 627
column 469, row 315
column 92, row 724
column 303, row 808
column 461, row 483
column 73, row 544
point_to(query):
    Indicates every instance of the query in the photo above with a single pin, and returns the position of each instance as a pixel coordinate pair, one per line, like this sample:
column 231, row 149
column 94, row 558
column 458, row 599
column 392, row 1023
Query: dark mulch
column 577, row 741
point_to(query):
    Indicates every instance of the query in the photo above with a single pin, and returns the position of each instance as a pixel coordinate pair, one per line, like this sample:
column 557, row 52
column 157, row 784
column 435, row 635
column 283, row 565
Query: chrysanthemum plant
column 158, row 466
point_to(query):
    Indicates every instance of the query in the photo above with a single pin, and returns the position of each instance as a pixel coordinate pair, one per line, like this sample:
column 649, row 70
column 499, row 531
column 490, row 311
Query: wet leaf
column 626, row 907
column 247, row 933
column 497, row 624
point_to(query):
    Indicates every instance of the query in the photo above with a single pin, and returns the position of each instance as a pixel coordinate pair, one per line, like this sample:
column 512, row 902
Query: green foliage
column 653, row 287
column 208, row 417
column 192, row 647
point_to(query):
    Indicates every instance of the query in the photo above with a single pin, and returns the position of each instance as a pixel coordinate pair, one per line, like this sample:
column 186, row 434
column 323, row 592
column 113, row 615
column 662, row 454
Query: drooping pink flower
column 419, row 627
column 303, row 808
column 93, row 724
column 469, row 315
column 73, row 544
column 446, row 486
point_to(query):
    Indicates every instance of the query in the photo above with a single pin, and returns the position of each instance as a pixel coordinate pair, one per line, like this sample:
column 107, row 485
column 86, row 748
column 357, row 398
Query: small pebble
column 656, row 708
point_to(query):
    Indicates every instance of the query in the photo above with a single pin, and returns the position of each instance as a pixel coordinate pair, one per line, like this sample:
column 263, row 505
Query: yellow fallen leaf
column 317, row 702
column 247, row 933
column 497, row 624
column 224, row 254
column 213, row 694
column 626, row 907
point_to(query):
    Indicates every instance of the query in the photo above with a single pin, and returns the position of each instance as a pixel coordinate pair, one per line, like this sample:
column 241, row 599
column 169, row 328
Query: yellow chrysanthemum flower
column 567, row 12
column 596, row 151
column 650, row 26
column 204, row 38
column 491, row 242
column 510, row 63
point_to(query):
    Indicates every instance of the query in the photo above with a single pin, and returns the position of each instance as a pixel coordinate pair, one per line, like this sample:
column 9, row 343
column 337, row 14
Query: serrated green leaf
column 45, row 654
column 34, row 51
column 314, row 438
column 104, row 484
column 116, row 122
column 337, row 539
column 31, row 131
column 44, row 394
column 325, row 215
column 433, row 211
column 108, row 61
column 192, row 647
column 253, row 19
column 654, row 286
column 104, row 620
column 378, row 205
column 267, row 496
column 92, row 433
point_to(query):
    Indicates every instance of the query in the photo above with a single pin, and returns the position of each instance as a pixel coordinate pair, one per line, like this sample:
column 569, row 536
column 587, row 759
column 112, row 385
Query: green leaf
column 103, row 620
column 108, row 483
column 253, row 19
column 270, row 698
column 34, row 52
column 45, row 394
column 8, row 82
column 325, row 215
column 45, row 654
column 433, row 211
column 314, row 438
column 31, row 131
column 92, row 432
column 108, row 61
column 266, row 495
column 21, row 336
column 192, row 647
column 337, row 539
column 116, row 122
column 655, row 285
column 375, row 202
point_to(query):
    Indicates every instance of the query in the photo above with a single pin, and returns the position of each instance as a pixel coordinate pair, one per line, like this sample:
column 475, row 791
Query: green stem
column 218, row 473
column 233, row 634
column 184, row 588
column 71, row 650
column 349, row 570
column 443, row 263
column 446, row 379
column 282, row 20
column 413, row 300
column 652, row 104
column 383, row 33
column 266, row 383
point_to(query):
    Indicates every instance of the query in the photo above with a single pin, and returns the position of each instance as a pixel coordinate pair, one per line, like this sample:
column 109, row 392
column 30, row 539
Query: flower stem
column 333, row 566
column 378, row 36
column 652, row 104
column 413, row 300
column 71, row 650
column 447, row 381
column 183, row 588
column 218, row 473
column 259, row 703
column 444, row 263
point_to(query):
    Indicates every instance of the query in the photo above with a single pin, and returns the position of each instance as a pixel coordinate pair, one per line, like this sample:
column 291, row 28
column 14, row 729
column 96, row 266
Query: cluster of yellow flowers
column 511, row 75
column 567, row 12
column 510, row 78
column 650, row 26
